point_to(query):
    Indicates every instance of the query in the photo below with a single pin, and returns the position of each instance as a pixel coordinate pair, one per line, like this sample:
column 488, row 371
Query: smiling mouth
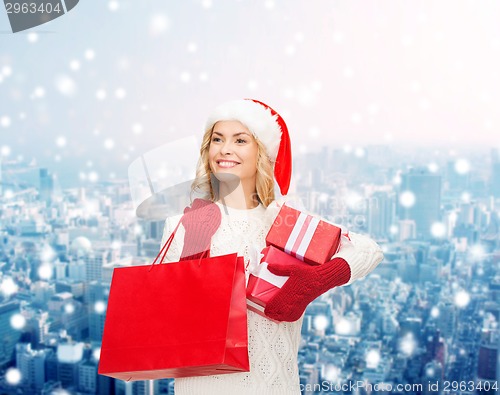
column 226, row 164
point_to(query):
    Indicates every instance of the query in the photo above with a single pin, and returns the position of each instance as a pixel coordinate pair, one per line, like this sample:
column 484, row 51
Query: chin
column 224, row 176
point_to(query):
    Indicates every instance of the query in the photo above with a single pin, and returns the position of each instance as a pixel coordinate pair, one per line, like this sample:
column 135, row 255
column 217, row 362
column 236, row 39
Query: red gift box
column 262, row 284
column 304, row 236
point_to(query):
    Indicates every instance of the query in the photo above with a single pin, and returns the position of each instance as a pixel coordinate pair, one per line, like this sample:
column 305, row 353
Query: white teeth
column 227, row 164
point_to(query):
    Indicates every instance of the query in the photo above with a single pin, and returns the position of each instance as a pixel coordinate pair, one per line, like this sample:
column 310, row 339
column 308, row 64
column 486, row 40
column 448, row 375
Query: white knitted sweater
column 272, row 347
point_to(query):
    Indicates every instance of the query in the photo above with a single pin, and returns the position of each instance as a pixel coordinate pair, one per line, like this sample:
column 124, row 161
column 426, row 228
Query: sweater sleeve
column 175, row 249
column 361, row 253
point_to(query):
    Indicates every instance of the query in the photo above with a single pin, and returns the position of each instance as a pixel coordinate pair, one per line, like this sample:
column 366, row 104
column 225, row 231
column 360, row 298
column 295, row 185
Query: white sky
column 339, row 72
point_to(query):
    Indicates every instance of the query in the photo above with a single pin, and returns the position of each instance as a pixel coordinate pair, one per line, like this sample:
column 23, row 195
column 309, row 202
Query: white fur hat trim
column 257, row 118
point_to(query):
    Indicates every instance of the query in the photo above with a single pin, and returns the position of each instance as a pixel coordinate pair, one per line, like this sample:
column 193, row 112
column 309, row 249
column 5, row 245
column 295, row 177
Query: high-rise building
column 457, row 182
column 31, row 364
column 94, row 263
column 1, row 179
column 87, row 376
column 69, row 356
column 9, row 335
column 46, row 185
column 381, row 212
column 424, row 188
column 495, row 173
column 488, row 359
column 97, row 300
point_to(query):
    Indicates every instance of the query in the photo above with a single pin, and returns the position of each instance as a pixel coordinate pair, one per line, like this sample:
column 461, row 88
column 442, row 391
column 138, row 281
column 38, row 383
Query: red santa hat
column 267, row 126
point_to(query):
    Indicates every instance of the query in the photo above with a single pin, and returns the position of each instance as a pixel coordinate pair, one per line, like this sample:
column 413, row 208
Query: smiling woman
column 245, row 149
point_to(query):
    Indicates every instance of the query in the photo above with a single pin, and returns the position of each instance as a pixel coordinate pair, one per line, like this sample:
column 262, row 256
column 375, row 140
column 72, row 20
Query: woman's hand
column 305, row 284
column 200, row 221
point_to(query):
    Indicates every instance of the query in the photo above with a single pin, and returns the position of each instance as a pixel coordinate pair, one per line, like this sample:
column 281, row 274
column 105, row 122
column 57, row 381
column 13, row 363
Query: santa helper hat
column 267, row 126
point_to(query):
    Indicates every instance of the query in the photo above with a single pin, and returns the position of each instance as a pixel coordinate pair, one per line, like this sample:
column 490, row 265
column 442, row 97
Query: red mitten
column 305, row 284
column 200, row 221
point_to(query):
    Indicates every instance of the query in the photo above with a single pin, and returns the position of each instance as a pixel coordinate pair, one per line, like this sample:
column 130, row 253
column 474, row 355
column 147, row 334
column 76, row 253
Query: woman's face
column 233, row 151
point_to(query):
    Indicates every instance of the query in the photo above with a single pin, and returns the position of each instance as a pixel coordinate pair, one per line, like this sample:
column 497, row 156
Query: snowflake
column 96, row 354
column 45, row 271
column 66, row 85
column 206, row 4
column 120, row 93
column 332, row 373
column 99, row 307
column 39, row 92
column 462, row 166
column 407, row 199
column 113, row 6
column 203, row 76
column 8, row 286
column 74, row 65
column 158, row 25
column 438, row 229
column 93, row 176
column 269, row 4
column 7, row 71
column 17, row 321
column 69, row 308
column 320, row 322
column 32, row 37
column 465, row 197
column 13, row 376
column 185, row 76
column 408, row 344
column 343, row 327
column 137, row 128
column 89, row 54
column 372, row 359
column 61, row 141
column 109, row 144
column 100, row 94
column 462, row 299
column 252, row 85
column 5, row 121
column 359, row 152
column 433, row 167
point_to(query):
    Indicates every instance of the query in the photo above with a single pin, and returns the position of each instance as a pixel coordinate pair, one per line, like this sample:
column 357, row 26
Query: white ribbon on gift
column 263, row 273
column 299, row 228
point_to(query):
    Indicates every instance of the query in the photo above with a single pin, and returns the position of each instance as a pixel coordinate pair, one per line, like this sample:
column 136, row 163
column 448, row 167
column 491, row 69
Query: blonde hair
column 207, row 184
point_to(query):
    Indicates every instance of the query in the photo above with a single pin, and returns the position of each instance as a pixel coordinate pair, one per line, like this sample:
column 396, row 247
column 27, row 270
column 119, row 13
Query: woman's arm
column 355, row 259
column 361, row 253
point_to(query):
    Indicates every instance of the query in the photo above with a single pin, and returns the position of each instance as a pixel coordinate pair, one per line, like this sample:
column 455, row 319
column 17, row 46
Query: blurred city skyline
column 427, row 314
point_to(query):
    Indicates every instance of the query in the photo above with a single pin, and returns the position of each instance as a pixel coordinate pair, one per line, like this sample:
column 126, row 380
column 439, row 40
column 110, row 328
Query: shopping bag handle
column 166, row 246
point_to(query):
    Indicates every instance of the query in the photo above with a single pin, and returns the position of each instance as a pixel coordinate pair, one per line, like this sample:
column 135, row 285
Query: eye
column 215, row 139
column 242, row 141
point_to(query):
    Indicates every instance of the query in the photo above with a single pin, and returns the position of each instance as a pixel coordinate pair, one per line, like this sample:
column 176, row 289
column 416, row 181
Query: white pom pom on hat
column 267, row 126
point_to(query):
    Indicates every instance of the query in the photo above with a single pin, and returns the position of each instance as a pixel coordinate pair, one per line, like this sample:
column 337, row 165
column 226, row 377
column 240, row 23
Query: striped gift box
column 304, row 236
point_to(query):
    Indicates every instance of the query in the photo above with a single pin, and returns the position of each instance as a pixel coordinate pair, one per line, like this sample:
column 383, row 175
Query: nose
column 226, row 148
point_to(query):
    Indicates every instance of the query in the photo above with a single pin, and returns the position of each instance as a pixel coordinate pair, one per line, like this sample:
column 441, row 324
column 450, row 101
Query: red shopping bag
column 179, row 319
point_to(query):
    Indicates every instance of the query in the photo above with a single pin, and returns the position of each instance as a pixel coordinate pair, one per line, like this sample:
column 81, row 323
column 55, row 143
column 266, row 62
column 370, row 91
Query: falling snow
column 13, row 376
column 407, row 199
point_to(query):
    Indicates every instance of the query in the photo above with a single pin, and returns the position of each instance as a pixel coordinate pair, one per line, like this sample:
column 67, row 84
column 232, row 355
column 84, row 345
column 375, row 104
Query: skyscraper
column 425, row 188
column 8, row 334
column 46, row 185
column 380, row 213
column 495, row 173
column 97, row 299
column 31, row 363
